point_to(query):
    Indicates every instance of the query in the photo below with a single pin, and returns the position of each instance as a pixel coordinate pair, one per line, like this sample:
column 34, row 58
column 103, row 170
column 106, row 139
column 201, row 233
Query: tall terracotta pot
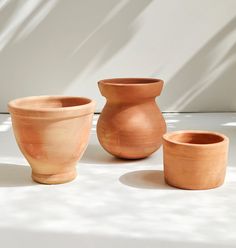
column 52, row 132
column 131, row 125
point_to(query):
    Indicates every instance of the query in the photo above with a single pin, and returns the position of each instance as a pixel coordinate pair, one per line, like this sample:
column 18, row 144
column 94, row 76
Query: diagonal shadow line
column 101, row 44
column 228, row 28
column 59, row 70
column 24, row 23
column 194, row 70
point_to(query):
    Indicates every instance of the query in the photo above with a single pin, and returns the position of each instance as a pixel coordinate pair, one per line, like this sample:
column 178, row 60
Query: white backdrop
column 66, row 46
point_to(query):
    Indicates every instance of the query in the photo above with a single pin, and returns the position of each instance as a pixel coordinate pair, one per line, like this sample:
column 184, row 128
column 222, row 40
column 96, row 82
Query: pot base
column 54, row 178
column 194, row 187
column 128, row 157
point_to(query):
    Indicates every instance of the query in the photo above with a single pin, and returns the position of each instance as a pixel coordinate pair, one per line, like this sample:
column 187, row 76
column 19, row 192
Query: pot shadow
column 145, row 179
column 12, row 175
column 95, row 154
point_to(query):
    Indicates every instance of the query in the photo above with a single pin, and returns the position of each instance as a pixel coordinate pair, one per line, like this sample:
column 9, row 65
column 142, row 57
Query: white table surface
column 116, row 203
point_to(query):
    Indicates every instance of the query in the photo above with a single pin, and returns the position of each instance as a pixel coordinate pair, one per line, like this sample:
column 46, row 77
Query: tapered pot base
column 52, row 132
column 54, row 178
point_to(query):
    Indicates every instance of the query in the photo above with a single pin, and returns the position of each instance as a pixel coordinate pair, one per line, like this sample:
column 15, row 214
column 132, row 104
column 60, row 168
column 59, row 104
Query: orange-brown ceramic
column 131, row 125
column 52, row 132
column 195, row 159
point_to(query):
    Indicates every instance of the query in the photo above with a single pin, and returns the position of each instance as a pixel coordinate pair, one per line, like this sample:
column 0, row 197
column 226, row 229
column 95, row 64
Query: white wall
column 66, row 46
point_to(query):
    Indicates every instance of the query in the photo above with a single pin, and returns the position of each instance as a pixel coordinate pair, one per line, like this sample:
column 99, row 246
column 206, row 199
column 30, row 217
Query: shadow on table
column 37, row 239
column 12, row 175
column 95, row 154
column 145, row 179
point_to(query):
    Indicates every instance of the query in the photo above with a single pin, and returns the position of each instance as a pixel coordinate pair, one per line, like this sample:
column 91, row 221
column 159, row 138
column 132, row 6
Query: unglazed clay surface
column 195, row 159
column 52, row 132
column 131, row 125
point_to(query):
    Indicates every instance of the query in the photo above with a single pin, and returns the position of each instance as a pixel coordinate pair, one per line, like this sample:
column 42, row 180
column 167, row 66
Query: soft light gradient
column 65, row 47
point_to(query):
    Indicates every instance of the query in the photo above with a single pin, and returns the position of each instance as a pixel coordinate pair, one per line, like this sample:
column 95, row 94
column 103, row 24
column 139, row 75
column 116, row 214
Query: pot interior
column 51, row 102
column 196, row 138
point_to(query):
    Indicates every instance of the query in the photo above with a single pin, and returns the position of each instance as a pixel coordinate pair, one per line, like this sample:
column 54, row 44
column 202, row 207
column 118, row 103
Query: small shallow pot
column 195, row 159
column 131, row 125
column 52, row 132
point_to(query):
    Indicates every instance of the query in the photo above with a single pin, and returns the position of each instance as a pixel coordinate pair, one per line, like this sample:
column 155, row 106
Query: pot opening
column 196, row 138
column 45, row 102
column 125, row 81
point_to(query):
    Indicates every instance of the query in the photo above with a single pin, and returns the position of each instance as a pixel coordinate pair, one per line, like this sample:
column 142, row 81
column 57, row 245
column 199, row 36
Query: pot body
column 131, row 125
column 195, row 159
column 52, row 137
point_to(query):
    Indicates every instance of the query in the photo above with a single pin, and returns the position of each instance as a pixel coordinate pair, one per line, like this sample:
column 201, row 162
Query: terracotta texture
column 195, row 159
column 52, row 132
column 131, row 125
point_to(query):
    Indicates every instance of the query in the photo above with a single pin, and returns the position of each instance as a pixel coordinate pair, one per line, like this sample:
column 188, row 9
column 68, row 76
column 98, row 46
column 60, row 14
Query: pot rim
column 169, row 138
column 143, row 81
column 16, row 109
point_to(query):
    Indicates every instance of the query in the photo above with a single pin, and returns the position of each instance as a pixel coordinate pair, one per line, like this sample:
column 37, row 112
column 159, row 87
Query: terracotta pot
column 131, row 125
column 195, row 159
column 52, row 132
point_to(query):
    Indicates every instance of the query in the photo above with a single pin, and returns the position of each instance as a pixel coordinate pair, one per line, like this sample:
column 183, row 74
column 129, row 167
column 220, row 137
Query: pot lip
column 146, row 81
column 14, row 104
column 167, row 137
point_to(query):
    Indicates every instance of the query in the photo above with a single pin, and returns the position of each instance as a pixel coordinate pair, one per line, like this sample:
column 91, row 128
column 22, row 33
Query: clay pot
column 195, row 159
column 131, row 125
column 52, row 132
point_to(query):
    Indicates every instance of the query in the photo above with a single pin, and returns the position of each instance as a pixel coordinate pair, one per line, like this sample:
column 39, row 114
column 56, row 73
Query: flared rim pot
column 131, row 124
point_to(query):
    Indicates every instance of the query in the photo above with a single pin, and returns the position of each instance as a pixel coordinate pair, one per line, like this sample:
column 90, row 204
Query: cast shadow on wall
column 47, row 48
column 211, row 69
